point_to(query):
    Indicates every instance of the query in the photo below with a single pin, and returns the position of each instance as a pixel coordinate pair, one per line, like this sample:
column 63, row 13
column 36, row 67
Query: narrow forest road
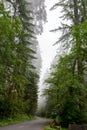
column 37, row 124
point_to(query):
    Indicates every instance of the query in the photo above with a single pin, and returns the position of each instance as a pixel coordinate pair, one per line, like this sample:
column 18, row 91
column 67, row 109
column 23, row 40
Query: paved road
column 37, row 124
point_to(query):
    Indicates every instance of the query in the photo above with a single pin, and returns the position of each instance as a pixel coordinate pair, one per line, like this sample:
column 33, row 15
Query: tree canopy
column 67, row 92
column 19, row 78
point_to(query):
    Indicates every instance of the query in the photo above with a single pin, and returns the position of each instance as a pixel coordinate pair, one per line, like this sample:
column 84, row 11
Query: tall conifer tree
column 67, row 81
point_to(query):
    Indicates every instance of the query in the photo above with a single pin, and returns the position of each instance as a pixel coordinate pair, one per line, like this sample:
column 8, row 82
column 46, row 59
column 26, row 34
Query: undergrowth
column 19, row 118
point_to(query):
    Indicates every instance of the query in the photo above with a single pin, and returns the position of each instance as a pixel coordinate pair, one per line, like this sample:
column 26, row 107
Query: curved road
column 37, row 124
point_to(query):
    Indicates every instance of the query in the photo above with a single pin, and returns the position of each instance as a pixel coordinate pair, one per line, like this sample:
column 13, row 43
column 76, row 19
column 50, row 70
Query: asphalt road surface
column 37, row 124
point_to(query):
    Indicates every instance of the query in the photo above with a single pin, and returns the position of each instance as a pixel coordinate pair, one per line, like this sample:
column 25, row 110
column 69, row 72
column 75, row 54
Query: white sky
column 47, row 39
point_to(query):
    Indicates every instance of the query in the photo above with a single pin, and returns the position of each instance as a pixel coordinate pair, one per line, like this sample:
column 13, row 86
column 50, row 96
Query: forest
column 20, row 61
column 20, row 58
column 66, row 91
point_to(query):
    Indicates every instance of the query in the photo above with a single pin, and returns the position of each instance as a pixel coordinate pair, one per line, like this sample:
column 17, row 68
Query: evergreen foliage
column 67, row 92
column 18, row 82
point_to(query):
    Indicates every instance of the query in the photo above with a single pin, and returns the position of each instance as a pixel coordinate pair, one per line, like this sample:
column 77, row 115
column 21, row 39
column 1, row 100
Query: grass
column 20, row 118
column 48, row 128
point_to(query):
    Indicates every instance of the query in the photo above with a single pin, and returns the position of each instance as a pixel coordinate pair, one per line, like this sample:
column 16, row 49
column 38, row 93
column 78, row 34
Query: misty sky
column 47, row 39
